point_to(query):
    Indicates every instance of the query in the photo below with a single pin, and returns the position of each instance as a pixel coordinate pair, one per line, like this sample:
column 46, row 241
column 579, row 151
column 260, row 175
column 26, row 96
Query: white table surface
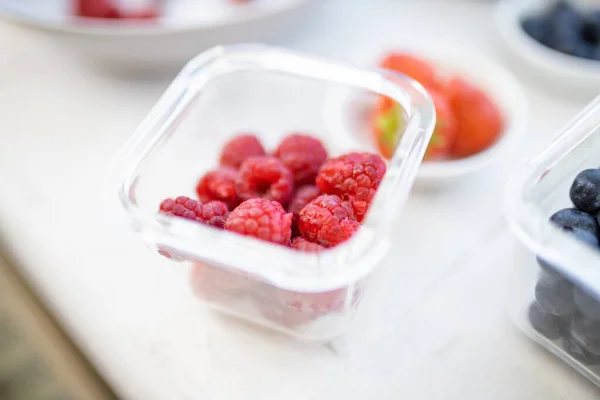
column 437, row 327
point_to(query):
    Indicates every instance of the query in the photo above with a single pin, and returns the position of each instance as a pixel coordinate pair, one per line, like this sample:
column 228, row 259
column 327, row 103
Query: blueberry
column 583, row 236
column 555, row 294
column 549, row 325
column 576, row 351
column 537, row 28
column 586, row 333
column 573, row 218
column 585, row 190
column 596, row 54
column 586, row 304
column 565, row 32
column 564, row 15
column 591, row 30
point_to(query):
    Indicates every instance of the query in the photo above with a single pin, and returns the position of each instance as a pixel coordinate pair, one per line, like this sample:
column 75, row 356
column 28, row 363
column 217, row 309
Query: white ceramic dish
column 348, row 111
column 186, row 28
column 576, row 74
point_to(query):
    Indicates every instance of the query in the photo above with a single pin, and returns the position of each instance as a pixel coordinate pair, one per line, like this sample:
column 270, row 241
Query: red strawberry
column 444, row 132
column 386, row 123
column 412, row 66
column 96, row 9
column 479, row 121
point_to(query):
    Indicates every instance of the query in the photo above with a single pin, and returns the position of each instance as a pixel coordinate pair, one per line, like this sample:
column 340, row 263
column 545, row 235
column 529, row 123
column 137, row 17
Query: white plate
column 186, row 28
column 566, row 71
column 348, row 111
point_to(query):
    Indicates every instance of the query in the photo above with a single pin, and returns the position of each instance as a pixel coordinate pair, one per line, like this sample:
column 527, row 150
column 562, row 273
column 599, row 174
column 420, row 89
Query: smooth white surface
column 186, row 28
column 351, row 112
column 433, row 325
column 570, row 73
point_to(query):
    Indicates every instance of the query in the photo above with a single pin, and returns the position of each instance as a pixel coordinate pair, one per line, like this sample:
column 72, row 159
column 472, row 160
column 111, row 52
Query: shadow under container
column 555, row 287
column 270, row 92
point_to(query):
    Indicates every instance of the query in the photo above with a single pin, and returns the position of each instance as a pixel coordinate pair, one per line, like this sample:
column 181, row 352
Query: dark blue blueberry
column 596, row 54
column 591, row 30
column 575, row 350
column 573, row 218
column 586, row 332
column 565, row 32
column 584, row 236
column 537, row 28
column 586, row 304
column 549, row 325
column 585, row 190
column 566, row 16
column 555, row 294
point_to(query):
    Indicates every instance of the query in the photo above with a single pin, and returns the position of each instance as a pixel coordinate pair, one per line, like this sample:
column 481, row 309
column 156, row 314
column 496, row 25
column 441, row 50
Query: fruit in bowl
column 298, row 197
column 295, row 196
column 566, row 29
column 562, row 308
column 468, row 121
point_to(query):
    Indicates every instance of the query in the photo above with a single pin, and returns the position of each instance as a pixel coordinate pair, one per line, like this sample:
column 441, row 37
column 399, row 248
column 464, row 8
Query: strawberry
column 387, row 122
column 412, row 66
column 96, row 9
column 444, row 132
column 107, row 9
column 479, row 122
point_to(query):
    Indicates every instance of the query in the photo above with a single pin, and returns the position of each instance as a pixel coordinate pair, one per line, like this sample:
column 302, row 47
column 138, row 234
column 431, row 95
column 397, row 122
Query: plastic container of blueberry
column 552, row 206
column 270, row 92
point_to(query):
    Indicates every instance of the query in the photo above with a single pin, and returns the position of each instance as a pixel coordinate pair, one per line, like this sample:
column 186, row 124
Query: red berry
column 264, row 177
column 96, row 9
column 302, row 244
column 300, row 198
column 412, row 66
column 263, row 219
column 303, row 155
column 354, row 177
column 238, row 149
column 212, row 213
column 328, row 221
column 445, row 131
column 217, row 284
column 479, row 121
column 219, row 184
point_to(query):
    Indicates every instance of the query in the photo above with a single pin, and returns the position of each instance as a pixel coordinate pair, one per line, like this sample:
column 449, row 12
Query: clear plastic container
column 270, row 92
column 555, row 288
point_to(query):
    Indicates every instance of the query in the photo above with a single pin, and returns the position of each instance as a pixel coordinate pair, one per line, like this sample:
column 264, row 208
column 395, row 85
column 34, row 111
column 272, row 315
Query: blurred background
column 86, row 312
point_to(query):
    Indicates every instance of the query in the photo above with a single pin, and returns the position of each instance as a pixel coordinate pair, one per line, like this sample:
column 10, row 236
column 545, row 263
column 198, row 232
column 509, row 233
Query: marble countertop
column 438, row 327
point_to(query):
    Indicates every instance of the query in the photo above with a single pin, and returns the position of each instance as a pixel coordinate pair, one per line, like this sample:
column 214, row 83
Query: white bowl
column 349, row 111
column 186, row 28
column 576, row 74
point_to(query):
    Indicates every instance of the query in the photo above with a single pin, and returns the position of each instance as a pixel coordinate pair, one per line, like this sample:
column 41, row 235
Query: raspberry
column 300, row 198
column 239, row 149
column 303, row 155
column 213, row 213
column 354, row 177
column 328, row 221
column 217, row 284
column 264, row 177
column 263, row 219
column 302, row 244
column 219, row 184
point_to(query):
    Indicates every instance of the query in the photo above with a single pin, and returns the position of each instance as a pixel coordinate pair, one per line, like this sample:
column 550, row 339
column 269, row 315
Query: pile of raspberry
column 295, row 196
